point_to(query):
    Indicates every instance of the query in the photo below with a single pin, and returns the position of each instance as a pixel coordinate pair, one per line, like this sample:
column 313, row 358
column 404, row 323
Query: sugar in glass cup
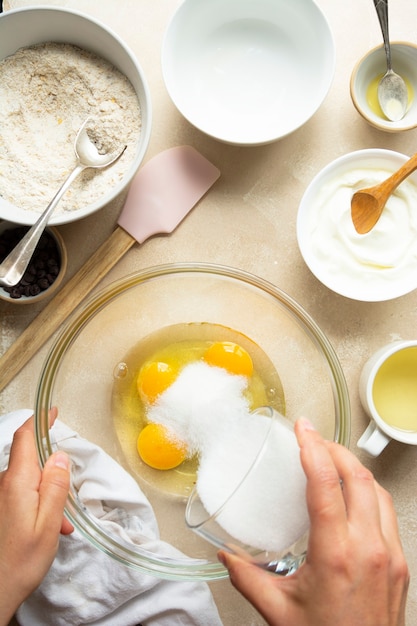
column 100, row 351
column 388, row 392
column 263, row 516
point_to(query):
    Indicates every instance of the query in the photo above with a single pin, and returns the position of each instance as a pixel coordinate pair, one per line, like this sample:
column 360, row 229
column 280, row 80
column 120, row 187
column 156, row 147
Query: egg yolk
column 158, row 448
column 231, row 357
column 154, row 377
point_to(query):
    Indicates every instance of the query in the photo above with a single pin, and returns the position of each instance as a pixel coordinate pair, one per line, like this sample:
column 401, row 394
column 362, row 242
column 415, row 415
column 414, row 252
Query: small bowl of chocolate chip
column 46, row 268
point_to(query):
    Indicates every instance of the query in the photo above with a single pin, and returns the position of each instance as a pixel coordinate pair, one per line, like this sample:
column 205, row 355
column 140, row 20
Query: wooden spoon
column 367, row 204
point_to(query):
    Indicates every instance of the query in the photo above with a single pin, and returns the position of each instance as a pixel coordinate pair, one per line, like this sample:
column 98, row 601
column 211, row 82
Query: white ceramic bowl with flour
column 295, row 370
column 81, row 69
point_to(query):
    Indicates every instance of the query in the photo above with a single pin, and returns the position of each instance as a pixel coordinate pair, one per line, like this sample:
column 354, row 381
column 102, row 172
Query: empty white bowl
column 24, row 27
column 364, row 84
column 248, row 72
column 379, row 265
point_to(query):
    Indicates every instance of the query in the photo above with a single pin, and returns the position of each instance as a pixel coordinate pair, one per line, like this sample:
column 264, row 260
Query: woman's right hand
column 355, row 572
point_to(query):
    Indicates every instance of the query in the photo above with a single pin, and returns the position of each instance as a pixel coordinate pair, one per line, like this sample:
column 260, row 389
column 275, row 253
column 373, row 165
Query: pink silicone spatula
column 162, row 193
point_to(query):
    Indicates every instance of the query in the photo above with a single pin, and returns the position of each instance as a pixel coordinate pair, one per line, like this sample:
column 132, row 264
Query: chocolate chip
column 34, row 289
column 43, row 268
column 15, row 292
column 28, row 278
column 43, row 283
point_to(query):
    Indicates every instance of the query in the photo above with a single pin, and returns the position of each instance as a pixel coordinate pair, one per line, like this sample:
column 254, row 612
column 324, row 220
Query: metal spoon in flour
column 14, row 265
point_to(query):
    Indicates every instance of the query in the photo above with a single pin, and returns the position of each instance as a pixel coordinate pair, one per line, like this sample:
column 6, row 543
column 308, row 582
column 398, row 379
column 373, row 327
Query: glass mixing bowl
column 91, row 370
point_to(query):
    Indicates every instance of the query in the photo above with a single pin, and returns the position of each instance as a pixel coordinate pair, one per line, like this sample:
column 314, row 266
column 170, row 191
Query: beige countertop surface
column 248, row 220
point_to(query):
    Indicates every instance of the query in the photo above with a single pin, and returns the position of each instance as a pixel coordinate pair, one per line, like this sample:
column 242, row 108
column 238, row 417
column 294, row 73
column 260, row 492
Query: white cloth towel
column 85, row 585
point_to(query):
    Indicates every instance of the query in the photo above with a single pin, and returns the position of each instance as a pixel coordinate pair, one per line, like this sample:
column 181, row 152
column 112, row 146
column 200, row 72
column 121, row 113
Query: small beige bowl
column 364, row 83
column 45, row 293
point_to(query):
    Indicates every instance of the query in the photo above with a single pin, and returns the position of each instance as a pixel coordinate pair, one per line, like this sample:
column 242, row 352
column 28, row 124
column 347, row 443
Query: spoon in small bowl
column 15, row 264
column 392, row 90
column 367, row 204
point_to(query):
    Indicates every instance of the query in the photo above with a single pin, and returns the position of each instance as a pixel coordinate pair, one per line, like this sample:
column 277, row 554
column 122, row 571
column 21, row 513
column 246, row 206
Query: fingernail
column 61, row 459
column 221, row 557
column 305, row 424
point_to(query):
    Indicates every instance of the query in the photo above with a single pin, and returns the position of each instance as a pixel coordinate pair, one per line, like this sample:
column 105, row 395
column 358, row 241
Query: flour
column 47, row 91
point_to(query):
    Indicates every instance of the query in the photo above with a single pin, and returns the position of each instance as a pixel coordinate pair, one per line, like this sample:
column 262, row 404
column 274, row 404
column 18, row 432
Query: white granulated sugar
column 207, row 409
column 268, row 511
column 199, row 403
column 47, row 91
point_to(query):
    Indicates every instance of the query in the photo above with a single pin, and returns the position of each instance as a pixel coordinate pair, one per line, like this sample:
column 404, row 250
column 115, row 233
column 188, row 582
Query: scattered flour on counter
column 47, row 91
column 206, row 408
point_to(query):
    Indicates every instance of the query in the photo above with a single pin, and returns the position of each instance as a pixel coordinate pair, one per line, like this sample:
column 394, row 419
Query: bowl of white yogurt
column 373, row 267
column 59, row 67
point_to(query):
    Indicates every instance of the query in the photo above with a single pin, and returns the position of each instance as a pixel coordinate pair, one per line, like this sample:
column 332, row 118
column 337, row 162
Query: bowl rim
column 188, row 569
column 145, row 110
column 379, row 123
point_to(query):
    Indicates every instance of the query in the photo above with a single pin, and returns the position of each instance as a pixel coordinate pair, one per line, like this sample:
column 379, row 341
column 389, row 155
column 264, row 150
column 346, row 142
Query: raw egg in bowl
column 153, row 370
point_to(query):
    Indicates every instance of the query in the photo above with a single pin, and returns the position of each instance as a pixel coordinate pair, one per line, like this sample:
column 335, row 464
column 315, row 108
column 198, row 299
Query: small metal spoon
column 392, row 90
column 15, row 264
column 368, row 204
